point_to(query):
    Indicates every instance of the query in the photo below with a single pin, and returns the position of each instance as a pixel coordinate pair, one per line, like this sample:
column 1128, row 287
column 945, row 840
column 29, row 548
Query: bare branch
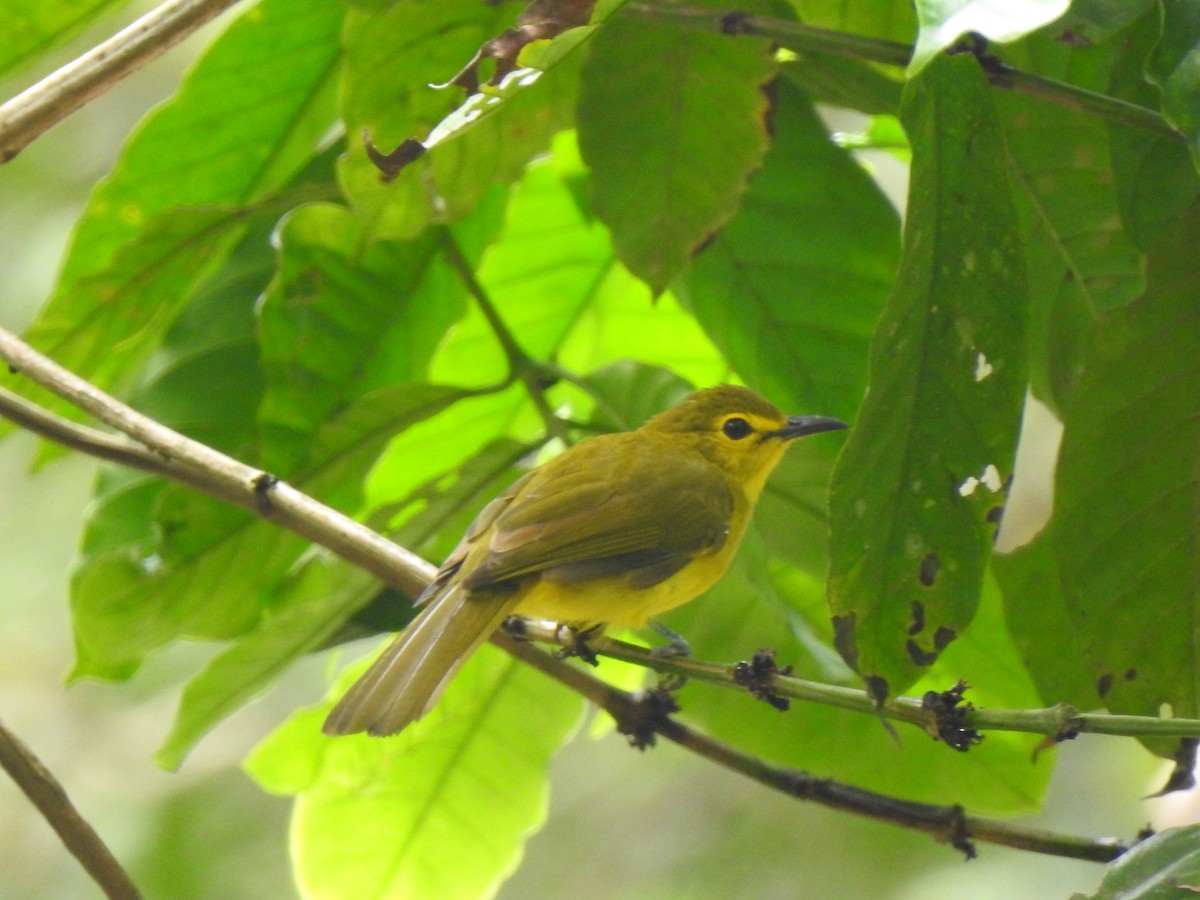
column 34, row 111
column 950, row 824
column 45, row 792
column 212, row 472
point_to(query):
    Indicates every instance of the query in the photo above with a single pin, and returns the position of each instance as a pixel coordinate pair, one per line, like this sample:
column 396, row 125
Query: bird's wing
column 608, row 507
column 479, row 525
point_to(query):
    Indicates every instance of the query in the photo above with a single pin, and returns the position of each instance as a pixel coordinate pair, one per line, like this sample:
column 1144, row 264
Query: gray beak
column 800, row 426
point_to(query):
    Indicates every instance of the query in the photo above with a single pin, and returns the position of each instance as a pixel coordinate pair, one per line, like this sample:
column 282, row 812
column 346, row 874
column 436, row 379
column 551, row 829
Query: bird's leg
column 677, row 646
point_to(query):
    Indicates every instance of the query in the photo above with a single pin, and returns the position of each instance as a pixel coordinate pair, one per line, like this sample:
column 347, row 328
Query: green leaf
column 627, row 393
column 391, row 57
column 944, row 21
column 1127, row 519
column 309, row 608
column 1165, row 866
column 1082, row 262
column 1035, row 608
column 672, row 122
column 1175, row 68
column 441, row 810
column 457, row 433
column 216, row 567
column 32, row 27
column 540, row 274
column 226, row 141
column 791, row 288
column 344, row 315
column 921, row 478
column 872, row 18
column 1155, row 174
column 1090, row 22
column 844, row 82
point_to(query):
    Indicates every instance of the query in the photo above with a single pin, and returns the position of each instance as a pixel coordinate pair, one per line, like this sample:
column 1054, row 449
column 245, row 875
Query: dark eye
column 736, row 428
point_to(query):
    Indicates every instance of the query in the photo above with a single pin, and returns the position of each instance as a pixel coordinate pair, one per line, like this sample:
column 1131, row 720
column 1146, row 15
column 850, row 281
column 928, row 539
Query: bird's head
column 738, row 430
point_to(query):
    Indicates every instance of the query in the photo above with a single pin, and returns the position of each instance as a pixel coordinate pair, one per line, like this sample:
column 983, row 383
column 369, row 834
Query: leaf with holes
column 922, row 477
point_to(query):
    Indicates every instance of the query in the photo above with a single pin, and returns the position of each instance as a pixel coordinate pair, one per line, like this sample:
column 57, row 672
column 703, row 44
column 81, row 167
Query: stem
column 946, row 823
column 47, row 794
column 34, row 111
column 796, row 36
column 1054, row 721
column 521, row 366
column 212, row 472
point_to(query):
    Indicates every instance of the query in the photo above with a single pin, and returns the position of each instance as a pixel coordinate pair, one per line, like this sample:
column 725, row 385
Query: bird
column 613, row 531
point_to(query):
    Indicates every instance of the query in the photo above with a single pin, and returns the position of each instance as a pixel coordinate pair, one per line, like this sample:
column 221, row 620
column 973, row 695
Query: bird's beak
column 799, row 426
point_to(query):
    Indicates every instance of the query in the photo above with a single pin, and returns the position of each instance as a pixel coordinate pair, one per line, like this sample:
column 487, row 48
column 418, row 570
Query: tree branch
column 950, row 824
column 216, row 474
column 212, row 472
column 1056, row 722
column 47, row 794
column 799, row 37
column 34, row 111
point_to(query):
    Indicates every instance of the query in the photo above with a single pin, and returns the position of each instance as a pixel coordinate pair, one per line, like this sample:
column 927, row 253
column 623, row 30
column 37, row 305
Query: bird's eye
column 735, row 428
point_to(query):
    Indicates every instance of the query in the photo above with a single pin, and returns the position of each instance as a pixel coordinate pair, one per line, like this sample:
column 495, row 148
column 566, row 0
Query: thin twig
column 1053, row 722
column 799, row 37
column 47, row 794
column 212, row 472
column 34, row 111
column 521, row 366
column 950, row 824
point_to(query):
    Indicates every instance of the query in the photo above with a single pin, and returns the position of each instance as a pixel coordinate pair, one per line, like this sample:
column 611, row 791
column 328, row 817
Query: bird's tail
column 406, row 680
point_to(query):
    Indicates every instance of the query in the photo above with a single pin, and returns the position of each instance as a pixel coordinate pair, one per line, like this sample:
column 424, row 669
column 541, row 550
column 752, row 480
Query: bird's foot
column 677, row 645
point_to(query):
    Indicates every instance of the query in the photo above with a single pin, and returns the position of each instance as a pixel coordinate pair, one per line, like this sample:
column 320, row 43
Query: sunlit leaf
column 441, row 810
column 173, row 205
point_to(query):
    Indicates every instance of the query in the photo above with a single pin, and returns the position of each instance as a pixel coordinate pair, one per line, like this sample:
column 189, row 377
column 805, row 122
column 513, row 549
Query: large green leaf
column 1165, row 866
column 1175, row 68
column 392, row 55
column 1127, row 517
column 441, row 810
column 307, row 610
column 672, row 122
column 873, row 18
column 1081, row 261
column 31, row 27
column 541, row 273
column 214, row 572
column 1055, row 654
column 1155, row 174
column 344, row 315
column 920, row 482
column 171, row 209
column 791, row 288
